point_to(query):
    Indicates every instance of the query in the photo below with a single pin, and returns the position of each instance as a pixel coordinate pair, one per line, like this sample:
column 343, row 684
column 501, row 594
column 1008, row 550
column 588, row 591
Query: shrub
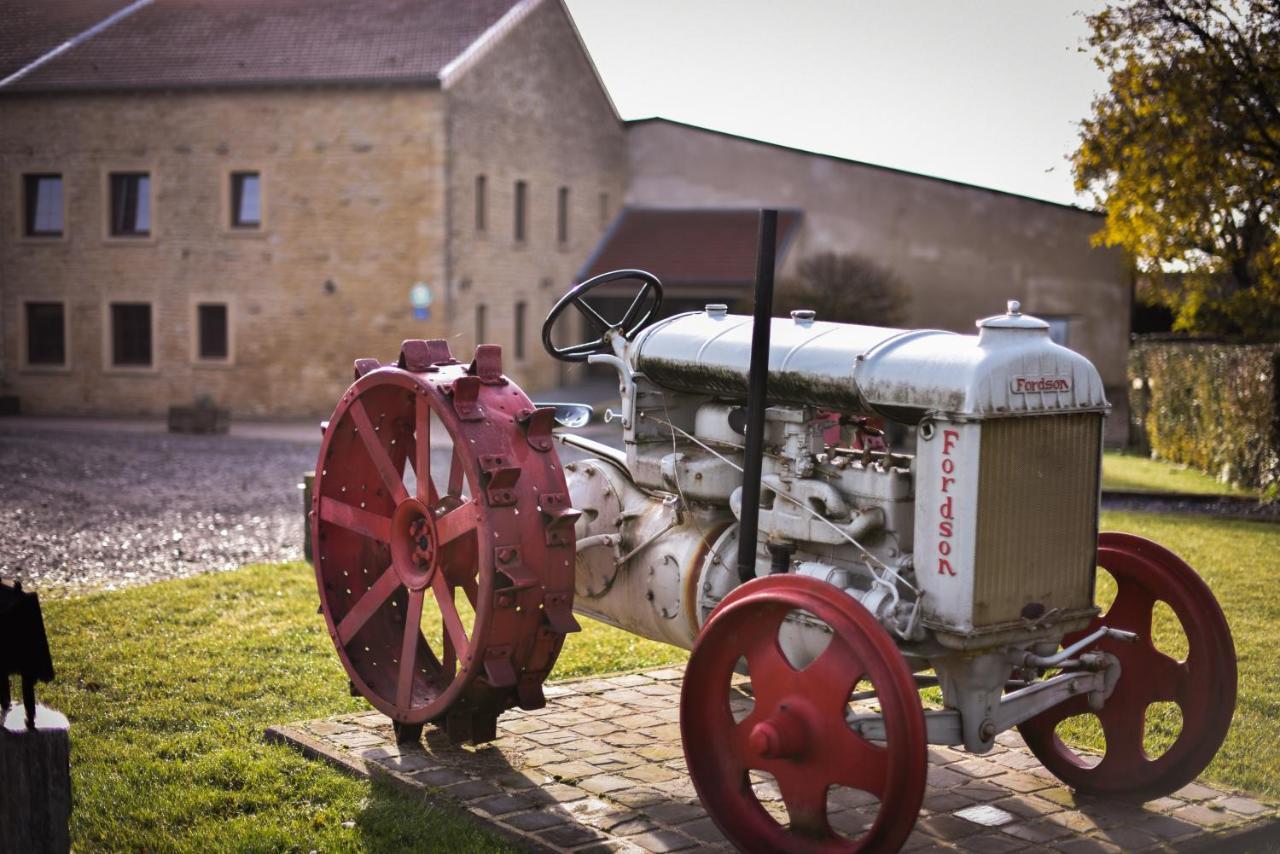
column 1215, row 407
column 845, row 288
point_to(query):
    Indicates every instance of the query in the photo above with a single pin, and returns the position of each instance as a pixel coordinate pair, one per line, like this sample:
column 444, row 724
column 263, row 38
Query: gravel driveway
column 94, row 508
column 100, row 507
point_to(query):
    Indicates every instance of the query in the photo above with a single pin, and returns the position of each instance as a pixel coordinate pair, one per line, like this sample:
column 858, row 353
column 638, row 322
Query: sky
column 988, row 92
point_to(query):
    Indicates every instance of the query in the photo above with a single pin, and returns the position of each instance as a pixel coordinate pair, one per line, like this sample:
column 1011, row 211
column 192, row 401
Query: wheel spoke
column 449, row 658
column 1123, row 727
column 409, row 649
column 449, row 611
column 592, row 315
column 363, row 522
column 455, row 475
column 457, row 522
column 422, row 452
column 367, row 605
column 1131, row 609
column 632, row 310
column 859, row 764
column 766, row 664
column 805, row 797
column 834, row 674
column 391, row 478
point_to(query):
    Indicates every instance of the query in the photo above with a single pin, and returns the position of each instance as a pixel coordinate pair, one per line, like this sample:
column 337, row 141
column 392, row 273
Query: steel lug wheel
column 443, row 539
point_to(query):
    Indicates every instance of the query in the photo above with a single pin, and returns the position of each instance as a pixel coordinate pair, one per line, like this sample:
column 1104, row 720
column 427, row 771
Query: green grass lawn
column 169, row 688
column 1122, row 470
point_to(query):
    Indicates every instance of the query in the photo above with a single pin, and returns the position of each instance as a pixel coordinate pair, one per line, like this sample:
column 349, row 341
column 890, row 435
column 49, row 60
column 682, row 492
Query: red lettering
column 944, row 567
column 945, row 511
column 948, row 465
column 944, row 547
column 949, row 439
column 945, row 529
column 947, row 481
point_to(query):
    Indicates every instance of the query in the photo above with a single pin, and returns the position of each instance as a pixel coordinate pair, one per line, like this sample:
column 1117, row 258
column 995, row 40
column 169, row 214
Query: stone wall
column 530, row 109
column 353, row 215
column 961, row 250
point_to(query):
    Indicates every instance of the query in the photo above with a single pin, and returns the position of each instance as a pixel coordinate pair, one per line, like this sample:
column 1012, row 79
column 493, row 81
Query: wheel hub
column 413, row 544
column 781, row 736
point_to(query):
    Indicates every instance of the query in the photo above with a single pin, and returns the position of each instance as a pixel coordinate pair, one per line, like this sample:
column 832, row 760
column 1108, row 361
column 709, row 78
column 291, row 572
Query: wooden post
column 35, row 781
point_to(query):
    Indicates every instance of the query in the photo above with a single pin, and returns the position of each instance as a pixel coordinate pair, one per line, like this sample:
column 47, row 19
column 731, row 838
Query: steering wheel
column 637, row 316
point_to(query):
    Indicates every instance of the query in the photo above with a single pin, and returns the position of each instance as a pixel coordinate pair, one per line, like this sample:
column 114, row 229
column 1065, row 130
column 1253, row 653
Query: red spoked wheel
column 1203, row 685
column 436, row 477
column 829, row 777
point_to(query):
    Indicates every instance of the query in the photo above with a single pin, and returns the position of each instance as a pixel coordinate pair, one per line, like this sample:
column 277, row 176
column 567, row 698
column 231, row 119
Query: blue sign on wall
column 420, row 299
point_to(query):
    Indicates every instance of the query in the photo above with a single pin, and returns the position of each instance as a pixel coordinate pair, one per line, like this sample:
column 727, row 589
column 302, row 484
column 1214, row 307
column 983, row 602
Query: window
column 131, row 334
column 480, row 330
column 481, row 189
column 562, row 215
column 520, row 321
column 604, row 209
column 522, row 190
column 1057, row 328
column 42, row 197
column 212, row 341
column 130, row 204
column 46, row 333
column 246, row 200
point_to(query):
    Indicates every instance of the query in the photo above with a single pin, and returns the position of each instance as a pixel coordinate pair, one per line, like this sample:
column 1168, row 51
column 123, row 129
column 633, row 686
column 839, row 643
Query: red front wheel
column 1202, row 685
column 782, row 769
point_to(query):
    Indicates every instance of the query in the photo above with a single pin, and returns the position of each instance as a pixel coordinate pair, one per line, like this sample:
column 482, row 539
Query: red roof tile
column 689, row 246
column 176, row 43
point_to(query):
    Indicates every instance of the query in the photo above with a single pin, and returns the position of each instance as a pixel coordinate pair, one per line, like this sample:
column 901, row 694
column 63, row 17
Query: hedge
column 1215, row 407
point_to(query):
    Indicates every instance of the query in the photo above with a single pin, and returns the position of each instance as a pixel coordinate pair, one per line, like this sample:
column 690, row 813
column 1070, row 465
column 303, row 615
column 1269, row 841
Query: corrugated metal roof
column 688, row 246
column 180, row 43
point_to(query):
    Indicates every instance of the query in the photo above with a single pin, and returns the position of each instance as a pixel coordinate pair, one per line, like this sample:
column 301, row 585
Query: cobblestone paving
column 601, row 769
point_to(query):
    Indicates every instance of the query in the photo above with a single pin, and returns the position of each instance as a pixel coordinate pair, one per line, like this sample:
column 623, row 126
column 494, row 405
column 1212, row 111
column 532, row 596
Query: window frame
column 108, row 335
column 519, row 329
column 24, row 336
column 481, row 322
column 520, row 211
column 25, row 212
column 233, row 208
column 562, row 216
column 1067, row 321
column 108, row 194
column 480, row 199
column 197, row 300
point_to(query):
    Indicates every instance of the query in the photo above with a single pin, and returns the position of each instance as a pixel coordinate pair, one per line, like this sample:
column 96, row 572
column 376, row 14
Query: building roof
column 182, row 43
column 32, row 29
column 660, row 120
column 688, row 246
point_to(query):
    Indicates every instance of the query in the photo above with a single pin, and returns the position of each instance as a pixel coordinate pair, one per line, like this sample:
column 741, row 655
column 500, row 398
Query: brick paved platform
column 601, row 769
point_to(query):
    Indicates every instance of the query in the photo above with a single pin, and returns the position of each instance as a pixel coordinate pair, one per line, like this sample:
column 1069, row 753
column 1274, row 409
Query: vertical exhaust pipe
column 757, row 396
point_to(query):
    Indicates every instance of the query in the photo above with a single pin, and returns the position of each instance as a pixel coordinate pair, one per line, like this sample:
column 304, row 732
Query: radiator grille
column 1037, row 515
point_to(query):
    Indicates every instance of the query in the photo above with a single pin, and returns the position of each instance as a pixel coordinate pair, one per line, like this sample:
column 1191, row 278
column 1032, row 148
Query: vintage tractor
column 966, row 569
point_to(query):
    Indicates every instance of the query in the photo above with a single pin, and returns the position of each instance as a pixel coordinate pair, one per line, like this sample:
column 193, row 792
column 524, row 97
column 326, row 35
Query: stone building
column 236, row 200
column 961, row 250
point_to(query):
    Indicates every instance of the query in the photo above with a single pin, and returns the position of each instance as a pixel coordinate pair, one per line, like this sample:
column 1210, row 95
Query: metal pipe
column 757, row 390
